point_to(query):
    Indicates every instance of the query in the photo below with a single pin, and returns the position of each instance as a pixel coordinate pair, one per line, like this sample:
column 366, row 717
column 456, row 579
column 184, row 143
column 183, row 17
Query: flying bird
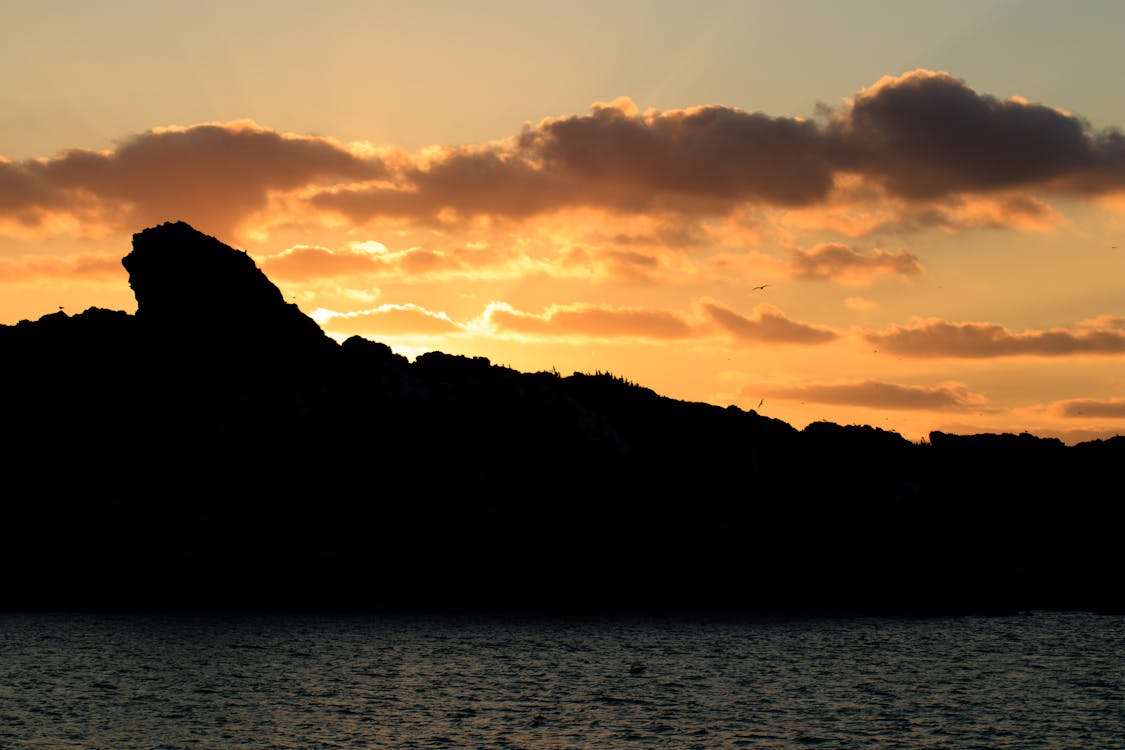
column 763, row 286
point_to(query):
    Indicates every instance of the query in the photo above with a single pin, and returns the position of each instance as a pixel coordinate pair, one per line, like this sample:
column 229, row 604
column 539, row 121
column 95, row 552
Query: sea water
column 115, row 682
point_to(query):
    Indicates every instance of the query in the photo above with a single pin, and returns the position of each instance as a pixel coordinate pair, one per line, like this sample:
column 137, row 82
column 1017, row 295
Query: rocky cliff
column 217, row 450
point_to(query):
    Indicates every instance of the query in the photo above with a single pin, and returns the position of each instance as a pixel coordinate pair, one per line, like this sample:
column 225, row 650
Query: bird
column 763, row 286
column 761, row 402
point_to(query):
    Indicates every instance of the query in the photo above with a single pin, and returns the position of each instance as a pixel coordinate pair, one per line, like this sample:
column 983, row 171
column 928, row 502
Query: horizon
column 924, row 236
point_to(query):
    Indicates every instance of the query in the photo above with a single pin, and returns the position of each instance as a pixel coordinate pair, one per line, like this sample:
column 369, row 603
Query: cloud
column 767, row 324
column 54, row 268
column 1087, row 408
column 710, row 153
column 610, row 264
column 939, row 338
column 860, row 303
column 213, row 175
column 305, row 262
column 370, row 259
column 453, row 185
column 879, row 395
column 927, row 134
column 591, row 321
column 835, row 262
column 947, row 155
column 856, row 210
column 579, row 322
column 916, row 150
column 388, row 320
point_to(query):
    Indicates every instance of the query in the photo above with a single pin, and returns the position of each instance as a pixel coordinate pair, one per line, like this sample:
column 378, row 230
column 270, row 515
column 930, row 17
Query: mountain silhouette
column 216, row 450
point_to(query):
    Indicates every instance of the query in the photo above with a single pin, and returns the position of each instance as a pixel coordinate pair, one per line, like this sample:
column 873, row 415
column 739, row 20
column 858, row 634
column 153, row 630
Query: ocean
column 226, row 682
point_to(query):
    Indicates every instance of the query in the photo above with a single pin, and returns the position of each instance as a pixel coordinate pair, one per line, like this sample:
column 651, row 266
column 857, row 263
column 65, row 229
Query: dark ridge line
column 216, row 451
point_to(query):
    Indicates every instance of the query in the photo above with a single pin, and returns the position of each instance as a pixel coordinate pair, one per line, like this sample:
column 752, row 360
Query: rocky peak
column 192, row 287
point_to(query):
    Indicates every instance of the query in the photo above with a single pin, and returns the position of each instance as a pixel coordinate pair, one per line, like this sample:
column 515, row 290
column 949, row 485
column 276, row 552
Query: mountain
column 216, row 450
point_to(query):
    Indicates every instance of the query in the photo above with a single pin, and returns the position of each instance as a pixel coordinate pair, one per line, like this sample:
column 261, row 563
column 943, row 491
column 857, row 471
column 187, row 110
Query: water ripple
column 1051, row 680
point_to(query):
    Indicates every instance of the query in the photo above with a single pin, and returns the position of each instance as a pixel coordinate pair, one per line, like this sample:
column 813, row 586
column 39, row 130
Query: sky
column 900, row 214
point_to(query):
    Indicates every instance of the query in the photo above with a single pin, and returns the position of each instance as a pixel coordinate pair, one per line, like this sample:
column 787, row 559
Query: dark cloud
column 939, row 338
column 461, row 183
column 928, row 134
column 702, row 160
column 925, row 139
column 767, row 325
column 1112, row 409
column 834, row 261
column 214, row 175
column 714, row 152
column 879, row 395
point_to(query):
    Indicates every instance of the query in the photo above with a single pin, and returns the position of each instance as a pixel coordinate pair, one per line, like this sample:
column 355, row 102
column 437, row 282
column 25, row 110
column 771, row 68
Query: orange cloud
column 304, row 262
column 579, row 321
column 767, row 324
column 373, row 259
column 916, row 150
column 939, row 338
column 648, row 265
column 860, row 303
column 54, row 268
column 212, row 175
column 859, row 209
column 710, row 154
column 925, row 139
column 835, row 262
column 1089, row 408
column 874, row 394
column 594, row 321
column 388, row 320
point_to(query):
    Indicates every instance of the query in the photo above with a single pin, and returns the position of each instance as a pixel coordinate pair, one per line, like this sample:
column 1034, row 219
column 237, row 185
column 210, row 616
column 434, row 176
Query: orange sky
column 921, row 253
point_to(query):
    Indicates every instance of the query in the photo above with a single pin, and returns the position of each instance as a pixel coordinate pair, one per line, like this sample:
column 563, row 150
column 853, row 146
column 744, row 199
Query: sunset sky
column 903, row 214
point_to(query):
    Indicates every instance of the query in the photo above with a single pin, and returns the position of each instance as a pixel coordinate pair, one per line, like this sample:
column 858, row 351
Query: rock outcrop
column 218, row 450
column 195, row 292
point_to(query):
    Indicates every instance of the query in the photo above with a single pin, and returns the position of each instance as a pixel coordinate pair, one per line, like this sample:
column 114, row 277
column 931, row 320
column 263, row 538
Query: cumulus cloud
column 453, row 184
column 915, row 150
column 879, row 395
column 924, row 138
column 939, row 338
column 927, row 134
column 710, row 153
column 766, row 324
column 214, row 174
column 836, row 262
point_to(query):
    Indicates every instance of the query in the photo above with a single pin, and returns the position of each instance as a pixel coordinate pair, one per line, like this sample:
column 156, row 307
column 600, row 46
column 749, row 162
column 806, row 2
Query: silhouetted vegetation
column 217, row 450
